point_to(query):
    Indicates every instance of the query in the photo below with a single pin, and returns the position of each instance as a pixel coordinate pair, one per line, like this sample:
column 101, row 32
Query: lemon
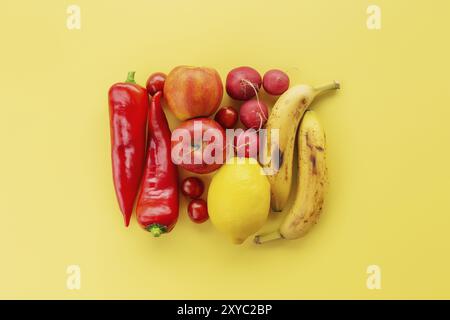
column 239, row 198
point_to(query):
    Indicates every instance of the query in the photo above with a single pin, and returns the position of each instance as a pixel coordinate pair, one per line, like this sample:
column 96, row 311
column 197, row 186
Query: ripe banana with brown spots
column 312, row 179
column 285, row 118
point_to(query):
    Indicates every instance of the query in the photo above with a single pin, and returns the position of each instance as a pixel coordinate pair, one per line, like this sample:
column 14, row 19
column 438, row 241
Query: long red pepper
column 128, row 109
column 157, row 206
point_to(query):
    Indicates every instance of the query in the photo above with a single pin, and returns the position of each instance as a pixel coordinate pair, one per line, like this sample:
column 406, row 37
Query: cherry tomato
column 192, row 187
column 227, row 117
column 198, row 210
column 155, row 83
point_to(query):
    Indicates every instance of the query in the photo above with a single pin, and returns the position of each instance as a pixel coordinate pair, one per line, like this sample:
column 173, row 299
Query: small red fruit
column 227, row 117
column 192, row 187
column 198, row 210
column 155, row 83
column 254, row 114
column 243, row 83
column 275, row 82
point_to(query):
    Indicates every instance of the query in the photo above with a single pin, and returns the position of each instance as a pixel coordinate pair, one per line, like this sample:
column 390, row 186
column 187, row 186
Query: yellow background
column 388, row 136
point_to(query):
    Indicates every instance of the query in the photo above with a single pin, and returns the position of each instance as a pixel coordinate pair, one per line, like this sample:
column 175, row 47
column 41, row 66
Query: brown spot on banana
column 286, row 173
column 278, row 158
column 308, row 141
column 313, row 160
column 298, row 219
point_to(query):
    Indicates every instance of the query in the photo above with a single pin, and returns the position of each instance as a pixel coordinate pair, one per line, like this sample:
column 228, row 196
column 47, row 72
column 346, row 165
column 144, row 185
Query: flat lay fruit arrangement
column 246, row 150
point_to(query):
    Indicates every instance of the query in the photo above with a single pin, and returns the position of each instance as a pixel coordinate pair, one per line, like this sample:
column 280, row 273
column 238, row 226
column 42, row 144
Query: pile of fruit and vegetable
column 248, row 151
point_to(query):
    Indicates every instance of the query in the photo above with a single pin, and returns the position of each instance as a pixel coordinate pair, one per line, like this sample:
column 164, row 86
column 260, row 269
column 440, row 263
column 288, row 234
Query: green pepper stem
column 130, row 77
column 156, row 229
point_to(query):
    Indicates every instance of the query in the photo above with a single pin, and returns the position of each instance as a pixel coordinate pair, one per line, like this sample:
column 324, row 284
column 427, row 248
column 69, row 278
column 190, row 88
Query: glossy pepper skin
column 157, row 207
column 128, row 110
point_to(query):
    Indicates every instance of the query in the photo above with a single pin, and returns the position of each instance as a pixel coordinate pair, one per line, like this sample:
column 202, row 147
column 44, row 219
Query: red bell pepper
column 157, row 206
column 128, row 109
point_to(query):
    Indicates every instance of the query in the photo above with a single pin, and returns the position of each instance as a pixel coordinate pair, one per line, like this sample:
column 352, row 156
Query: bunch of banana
column 285, row 118
column 312, row 178
column 312, row 171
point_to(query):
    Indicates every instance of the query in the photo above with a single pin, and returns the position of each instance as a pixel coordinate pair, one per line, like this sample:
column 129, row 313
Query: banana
column 312, row 180
column 278, row 156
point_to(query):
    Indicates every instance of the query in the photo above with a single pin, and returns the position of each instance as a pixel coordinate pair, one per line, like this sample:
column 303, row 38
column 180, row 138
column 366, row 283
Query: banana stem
column 260, row 239
column 330, row 86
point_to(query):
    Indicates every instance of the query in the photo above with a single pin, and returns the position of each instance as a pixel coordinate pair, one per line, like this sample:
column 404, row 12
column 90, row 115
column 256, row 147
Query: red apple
column 199, row 145
column 193, row 92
